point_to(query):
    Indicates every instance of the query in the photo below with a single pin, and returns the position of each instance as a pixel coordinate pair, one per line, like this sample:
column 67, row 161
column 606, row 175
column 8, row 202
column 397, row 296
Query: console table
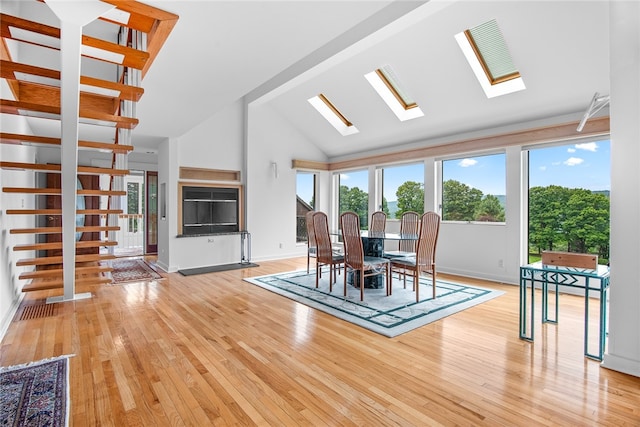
column 590, row 280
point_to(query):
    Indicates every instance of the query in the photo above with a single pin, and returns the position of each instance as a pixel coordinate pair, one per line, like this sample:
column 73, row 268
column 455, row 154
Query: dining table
column 373, row 246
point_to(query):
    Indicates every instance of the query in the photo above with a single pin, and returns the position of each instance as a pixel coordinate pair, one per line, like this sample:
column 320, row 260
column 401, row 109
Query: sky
column 583, row 165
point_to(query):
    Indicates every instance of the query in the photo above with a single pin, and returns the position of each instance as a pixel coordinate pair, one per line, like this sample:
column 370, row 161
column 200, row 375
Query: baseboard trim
column 4, row 327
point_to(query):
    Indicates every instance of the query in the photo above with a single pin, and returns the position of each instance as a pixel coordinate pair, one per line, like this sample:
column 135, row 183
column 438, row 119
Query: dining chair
column 425, row 259
column 325, row 254
column 354, row 258
column 311, row 238
column 409, row 228
column 378, row 222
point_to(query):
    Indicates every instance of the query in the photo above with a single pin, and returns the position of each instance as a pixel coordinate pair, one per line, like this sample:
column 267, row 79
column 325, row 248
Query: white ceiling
column 220, row 51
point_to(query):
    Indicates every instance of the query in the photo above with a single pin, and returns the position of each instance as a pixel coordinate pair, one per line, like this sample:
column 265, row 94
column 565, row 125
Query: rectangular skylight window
column 388, row 86
column 332, row 115
column 486, row 51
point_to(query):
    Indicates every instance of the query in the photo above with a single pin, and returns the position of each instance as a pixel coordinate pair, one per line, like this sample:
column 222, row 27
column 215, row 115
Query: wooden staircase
column 36, row 93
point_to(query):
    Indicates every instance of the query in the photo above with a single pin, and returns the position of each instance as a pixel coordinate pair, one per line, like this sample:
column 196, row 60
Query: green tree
column 410, row 196
column 587, row 223
column 355, row 200
column 459, row 201
column 489, row 209
column 546, row 216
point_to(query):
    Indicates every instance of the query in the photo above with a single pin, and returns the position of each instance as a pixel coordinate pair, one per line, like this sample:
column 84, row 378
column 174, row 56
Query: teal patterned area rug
column 387, row 315
column 35, row 394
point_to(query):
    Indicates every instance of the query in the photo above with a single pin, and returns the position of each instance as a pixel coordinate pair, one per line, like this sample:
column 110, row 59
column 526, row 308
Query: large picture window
column 569, row 199
column 354, row 196
column 403, row 189
column 305, row 202
column 474, row 188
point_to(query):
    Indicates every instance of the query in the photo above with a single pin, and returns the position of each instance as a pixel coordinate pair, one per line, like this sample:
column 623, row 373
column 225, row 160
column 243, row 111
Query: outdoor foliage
column 463, row 203
column 355, row 200
column 568, row 219
column 410, row 197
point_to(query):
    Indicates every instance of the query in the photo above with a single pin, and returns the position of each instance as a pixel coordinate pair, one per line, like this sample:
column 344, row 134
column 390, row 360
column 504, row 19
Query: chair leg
column 362, row 285
column 317, row 274
column 433, row 278
column 389, row 279
column 345, row 280
column 416, row 283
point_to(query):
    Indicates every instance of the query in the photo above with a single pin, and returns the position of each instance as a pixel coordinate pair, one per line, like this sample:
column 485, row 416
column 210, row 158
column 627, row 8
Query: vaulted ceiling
column 220, row 51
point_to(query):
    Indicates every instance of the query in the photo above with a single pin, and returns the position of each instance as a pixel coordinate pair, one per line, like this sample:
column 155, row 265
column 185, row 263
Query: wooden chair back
column 409, row 225
column 323, row 239
column 353, row 250
column 427, row 241
column 378, row 222
column 311, row 235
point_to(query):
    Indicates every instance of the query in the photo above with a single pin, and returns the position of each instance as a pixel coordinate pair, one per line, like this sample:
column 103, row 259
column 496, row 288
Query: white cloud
column 588, row 146
column 543, row 168
column 573, row 161
column 465, row 163
column 343, row 177
column 571, row 150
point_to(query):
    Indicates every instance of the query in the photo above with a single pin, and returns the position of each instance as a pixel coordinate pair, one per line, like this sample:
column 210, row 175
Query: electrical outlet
column 501, row 263
column 280, row 245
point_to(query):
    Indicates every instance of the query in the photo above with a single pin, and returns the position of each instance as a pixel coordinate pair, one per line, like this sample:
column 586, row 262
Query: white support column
column 72, row 16
column 623, row 353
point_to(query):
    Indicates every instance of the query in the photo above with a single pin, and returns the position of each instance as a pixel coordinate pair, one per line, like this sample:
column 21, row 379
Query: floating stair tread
column 15, row 138
column 59, row 211
column 58, row 230
column 57, row 272
column 125, row 92
column 130, row 57
column 87, row 170
column 58, row 191
column 16, row 107
column 58, row 245
column 58, row 259
column 43, row 285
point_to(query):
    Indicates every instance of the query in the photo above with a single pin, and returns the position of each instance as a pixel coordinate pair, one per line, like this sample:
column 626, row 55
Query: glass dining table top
column 378, row 235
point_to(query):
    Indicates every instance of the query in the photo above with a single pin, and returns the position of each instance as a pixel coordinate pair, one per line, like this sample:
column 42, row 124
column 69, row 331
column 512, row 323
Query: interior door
column 151, row 212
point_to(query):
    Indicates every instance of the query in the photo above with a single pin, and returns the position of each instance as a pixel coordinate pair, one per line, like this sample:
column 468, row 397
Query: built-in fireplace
column 210, row 210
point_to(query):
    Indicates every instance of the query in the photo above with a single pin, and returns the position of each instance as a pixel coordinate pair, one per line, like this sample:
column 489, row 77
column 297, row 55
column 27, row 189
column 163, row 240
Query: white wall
column 271, row 202
column 10, row 286
column 214, row 144
column 623, row 352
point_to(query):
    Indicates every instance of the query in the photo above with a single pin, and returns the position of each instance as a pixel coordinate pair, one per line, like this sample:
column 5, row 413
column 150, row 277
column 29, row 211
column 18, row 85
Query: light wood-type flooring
column 215, row 350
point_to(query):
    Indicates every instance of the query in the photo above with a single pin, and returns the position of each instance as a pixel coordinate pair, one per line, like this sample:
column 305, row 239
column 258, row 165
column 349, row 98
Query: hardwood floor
column 215, row 350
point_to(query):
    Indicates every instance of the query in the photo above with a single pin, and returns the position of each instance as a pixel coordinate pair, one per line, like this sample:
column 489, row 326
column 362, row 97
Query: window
column 305, row 202
column 473, row 189
column 569, row 199
column 403, row 189
column 322, row 104
column 353, row 195
column 388, row 86
column 488, row 55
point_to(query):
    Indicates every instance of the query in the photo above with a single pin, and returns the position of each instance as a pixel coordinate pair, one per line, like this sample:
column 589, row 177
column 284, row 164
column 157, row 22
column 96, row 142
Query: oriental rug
column 387, row 315
column 132, row 270
column 35, row 394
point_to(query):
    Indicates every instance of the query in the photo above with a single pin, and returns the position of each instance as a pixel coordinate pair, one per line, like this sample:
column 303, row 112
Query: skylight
column 388, row 86
column 332, row 115
column 488, row 55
